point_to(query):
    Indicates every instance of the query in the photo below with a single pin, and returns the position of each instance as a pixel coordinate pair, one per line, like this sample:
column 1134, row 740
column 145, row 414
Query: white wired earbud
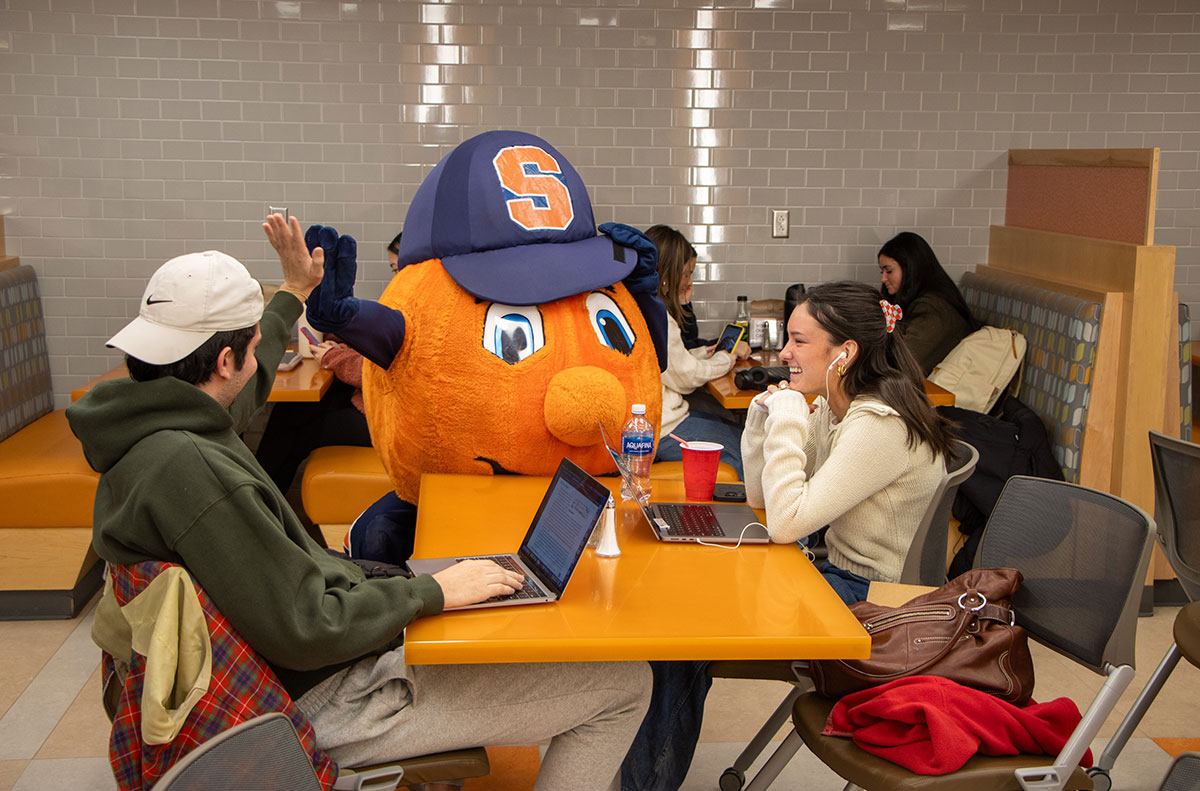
column 740, row 537
column 845, row 355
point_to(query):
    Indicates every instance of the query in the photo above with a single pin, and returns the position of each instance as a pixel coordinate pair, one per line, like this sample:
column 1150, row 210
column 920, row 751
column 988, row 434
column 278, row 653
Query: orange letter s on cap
column 540, row 201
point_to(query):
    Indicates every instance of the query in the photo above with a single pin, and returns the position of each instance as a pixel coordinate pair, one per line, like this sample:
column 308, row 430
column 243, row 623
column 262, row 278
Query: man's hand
column 473, row 581
column 301, row 271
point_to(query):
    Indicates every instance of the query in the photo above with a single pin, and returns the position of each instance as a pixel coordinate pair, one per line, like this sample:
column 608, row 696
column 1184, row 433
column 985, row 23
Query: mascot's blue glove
column 374, row 331
column 642, row 283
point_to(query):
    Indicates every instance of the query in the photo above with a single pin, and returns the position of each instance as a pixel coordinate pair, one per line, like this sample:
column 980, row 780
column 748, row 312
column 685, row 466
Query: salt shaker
column 608, row 548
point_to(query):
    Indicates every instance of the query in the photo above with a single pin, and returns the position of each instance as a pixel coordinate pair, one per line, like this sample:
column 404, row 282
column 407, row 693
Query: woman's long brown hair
column 674, row 251
column 884, row 366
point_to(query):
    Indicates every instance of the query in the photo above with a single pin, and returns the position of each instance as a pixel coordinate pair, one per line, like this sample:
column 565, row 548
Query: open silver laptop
column 551, row 548
column 697, row 523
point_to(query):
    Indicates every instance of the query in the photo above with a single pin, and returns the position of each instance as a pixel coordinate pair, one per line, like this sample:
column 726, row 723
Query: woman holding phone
column 688, row 369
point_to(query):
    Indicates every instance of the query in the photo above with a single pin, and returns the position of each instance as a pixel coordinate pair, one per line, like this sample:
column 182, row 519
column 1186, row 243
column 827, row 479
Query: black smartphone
column 729, row 492
column 729, row 337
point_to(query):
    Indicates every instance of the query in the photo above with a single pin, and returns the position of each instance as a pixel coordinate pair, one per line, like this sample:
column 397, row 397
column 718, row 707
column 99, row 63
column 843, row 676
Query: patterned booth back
column 25, row 393
column 1061, row 332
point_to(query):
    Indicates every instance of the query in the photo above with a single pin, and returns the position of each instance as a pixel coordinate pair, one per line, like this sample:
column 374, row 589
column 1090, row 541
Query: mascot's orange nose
column 579, row 397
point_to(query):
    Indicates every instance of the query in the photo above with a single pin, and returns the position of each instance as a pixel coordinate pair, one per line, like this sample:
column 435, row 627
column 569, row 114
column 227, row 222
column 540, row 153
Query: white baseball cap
column 187, row 301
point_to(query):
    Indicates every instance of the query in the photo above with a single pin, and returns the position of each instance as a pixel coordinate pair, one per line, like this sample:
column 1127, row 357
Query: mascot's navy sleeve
column 642, row 283
column 374, row 331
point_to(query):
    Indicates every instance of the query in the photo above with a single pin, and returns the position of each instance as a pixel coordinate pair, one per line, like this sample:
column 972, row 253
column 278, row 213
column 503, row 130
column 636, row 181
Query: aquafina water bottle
column 637, row 449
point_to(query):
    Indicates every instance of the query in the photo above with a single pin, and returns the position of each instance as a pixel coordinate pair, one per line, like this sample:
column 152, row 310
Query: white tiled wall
column 134, row 130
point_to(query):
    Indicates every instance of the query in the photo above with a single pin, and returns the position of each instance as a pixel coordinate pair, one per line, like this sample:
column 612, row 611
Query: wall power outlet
column 779, row 223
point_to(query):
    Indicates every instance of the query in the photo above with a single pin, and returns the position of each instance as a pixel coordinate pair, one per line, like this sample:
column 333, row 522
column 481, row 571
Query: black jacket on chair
column 1014, row 442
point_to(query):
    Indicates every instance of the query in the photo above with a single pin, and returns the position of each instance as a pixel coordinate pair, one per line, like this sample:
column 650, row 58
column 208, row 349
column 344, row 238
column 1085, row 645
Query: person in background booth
column 394, row 253
column 936, row 316
column 865, row 459
column 688, row 369
column 177, row 485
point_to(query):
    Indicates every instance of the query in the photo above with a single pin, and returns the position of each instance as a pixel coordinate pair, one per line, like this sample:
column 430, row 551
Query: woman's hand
column 741, row 351
column 762, row 398
column 320, row 349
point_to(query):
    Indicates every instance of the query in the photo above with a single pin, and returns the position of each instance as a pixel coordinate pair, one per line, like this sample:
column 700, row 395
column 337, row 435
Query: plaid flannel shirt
column 242, row 687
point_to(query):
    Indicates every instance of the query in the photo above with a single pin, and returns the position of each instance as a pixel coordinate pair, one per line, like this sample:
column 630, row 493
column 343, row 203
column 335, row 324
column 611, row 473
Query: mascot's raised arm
column 511, row 331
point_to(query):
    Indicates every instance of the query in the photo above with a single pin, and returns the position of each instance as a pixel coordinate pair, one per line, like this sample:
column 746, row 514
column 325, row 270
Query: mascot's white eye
column 610, row 324
column 513, row 333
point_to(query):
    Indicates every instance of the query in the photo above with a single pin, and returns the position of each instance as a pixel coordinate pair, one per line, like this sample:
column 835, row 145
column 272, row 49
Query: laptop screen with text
column 563, row 523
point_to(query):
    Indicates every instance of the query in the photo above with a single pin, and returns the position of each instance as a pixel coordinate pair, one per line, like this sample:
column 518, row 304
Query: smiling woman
column 864, row 459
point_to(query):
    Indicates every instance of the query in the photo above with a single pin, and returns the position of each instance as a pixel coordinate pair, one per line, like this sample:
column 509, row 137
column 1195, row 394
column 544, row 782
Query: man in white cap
column 178, row 485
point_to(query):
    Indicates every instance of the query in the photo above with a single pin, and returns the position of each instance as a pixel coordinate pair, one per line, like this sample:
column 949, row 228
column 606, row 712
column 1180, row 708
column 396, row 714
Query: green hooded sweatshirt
column 177, row 484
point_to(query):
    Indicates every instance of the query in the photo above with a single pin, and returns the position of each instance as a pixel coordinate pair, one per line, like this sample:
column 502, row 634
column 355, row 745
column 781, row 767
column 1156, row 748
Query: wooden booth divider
column 1082, row 222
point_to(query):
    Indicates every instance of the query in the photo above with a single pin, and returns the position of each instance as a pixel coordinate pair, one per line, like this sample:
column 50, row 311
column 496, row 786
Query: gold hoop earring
column 841, row 369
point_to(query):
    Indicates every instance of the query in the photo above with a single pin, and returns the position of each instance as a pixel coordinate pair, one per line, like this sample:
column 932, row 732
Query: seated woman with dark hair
column 864, row 458
column 936, row 316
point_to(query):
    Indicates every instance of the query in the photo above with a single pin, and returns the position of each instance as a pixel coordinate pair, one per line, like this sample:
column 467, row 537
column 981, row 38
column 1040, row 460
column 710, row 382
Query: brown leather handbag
column 963, row 631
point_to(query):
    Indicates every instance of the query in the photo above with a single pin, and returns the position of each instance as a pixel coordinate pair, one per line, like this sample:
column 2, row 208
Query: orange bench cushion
column 44, row 479
column 340, row 481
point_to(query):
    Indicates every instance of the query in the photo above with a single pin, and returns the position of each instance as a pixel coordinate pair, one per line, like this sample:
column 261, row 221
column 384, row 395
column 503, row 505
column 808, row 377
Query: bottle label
column 637, row 445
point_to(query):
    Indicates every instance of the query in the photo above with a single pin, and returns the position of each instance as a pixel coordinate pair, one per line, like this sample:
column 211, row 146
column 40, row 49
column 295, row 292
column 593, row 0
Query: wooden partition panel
column 1135, row 353
column 1099, row 193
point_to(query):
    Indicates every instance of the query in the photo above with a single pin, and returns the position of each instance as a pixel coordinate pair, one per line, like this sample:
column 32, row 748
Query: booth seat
column 340, row 481
column 1063, row 333
column 47, row 566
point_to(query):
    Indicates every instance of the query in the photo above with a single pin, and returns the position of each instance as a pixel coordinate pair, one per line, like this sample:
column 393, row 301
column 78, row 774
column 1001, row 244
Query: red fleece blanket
column 931, row 725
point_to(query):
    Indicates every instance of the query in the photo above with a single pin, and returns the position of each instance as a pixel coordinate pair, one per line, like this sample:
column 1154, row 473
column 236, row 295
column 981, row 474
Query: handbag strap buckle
column 973, row 594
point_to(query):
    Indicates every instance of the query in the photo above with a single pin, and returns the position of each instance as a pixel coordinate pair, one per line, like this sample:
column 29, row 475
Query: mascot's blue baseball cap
column 512, row 222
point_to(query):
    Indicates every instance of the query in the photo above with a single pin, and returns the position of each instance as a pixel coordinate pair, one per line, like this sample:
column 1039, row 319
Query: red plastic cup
column 700, row 460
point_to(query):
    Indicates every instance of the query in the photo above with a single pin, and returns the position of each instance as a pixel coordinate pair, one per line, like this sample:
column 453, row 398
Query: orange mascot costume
column 510, row 334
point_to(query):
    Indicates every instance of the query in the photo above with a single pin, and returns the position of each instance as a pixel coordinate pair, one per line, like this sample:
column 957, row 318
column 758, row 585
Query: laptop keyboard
column 531, row 590
column 693, row 521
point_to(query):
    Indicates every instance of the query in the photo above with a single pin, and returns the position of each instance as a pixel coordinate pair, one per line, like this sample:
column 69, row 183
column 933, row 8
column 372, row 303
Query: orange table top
column 731, row 396
column 306, row 382
column 656, row 601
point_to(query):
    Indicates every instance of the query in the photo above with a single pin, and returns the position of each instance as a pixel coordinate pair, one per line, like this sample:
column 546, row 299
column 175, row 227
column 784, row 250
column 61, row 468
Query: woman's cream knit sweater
column 687, row 369
column 859, row 476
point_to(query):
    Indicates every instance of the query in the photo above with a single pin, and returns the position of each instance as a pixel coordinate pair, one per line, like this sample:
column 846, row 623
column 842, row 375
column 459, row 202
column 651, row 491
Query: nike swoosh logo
column 152, row 301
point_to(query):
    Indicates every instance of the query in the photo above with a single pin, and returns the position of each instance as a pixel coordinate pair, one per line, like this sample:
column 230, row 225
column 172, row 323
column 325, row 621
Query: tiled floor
column 53, row 733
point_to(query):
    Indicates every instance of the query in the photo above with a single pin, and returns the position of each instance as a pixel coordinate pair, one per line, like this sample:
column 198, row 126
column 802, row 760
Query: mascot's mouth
column 497, row 467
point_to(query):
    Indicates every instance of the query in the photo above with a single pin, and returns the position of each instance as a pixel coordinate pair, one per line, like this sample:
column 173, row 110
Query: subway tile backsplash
column 135, row 130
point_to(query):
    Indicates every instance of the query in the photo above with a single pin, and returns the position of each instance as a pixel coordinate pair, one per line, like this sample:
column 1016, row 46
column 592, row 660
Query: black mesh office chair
column 1084, row 555
column 1177, row 510
column 1184, row 774
column 925, row 564
column 926, row 560
column 263, row 753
